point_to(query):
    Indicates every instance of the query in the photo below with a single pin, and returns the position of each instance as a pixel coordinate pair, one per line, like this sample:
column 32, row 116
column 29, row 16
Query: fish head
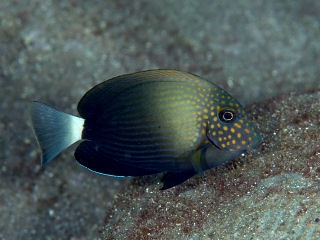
column 229, row 127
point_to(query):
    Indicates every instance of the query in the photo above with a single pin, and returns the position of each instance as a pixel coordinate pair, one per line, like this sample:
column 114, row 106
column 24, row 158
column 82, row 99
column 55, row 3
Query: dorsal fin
column 102, row 94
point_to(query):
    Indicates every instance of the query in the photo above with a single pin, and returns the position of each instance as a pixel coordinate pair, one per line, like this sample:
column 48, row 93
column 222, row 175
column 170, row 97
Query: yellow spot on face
column 212, row 126
column 228, row 143
column 220, row 132
column 239, row 135
column 203, row 131
column 225, row 128
column 212, row 114
column 243, row 142
column 205, row 110
column 223, row 145
column 250, row 139
column 223, row 102
column 241, row 120
column 215, row 119
column 232, row 130
column 205, row 117
column 218, row 125
column 220, row 139
column 204, row 124
column 214, row 133
column 238, row 147
column 237, row 125
column 229, row 136
column 233, row 141
column 247, row 131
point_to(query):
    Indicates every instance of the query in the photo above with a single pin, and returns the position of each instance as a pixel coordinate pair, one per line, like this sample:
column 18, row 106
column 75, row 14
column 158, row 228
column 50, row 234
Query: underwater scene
column 159, row 119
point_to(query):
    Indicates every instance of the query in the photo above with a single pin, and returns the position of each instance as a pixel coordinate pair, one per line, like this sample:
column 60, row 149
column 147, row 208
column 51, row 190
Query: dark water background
column 54, row 51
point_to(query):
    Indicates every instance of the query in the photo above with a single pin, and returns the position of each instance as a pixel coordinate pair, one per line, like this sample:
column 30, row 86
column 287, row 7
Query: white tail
column 55, row 130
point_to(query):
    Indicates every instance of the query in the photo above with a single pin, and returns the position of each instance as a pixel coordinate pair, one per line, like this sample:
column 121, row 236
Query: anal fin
column 96, row 158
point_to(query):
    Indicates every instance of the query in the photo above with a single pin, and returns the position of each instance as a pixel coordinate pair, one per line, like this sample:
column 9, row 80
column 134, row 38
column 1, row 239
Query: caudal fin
column 55, row 130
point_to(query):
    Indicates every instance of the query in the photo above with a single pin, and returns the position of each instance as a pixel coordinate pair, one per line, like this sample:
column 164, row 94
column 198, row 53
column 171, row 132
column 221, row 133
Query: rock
column 272, row 192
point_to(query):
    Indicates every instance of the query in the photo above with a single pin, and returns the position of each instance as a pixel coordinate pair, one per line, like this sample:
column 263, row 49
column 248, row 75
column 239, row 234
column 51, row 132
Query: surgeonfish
column 146, row 123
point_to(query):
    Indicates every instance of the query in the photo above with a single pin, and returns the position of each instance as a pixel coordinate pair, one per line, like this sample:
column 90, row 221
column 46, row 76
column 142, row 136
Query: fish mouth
column 256, row 143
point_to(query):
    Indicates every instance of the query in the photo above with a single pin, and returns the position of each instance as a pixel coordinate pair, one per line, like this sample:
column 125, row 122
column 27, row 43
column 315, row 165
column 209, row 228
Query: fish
column 148, row 122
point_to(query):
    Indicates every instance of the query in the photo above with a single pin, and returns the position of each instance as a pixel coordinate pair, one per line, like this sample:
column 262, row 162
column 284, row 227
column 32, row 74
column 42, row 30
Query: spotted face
column 229, row 127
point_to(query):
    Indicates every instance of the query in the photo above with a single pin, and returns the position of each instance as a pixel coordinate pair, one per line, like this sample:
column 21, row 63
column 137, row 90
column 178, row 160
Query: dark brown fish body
column 159, row 121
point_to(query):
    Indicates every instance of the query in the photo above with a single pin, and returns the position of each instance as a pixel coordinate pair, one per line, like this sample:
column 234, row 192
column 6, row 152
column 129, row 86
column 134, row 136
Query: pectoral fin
column 172, row 179
column 197, row 160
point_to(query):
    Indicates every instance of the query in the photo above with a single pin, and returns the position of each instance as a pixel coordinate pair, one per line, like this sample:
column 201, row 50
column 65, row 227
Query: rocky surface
column 272, row 193
column 54, row 51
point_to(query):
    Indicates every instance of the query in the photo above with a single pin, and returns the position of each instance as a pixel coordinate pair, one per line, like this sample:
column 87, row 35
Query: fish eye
column 227, row 115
